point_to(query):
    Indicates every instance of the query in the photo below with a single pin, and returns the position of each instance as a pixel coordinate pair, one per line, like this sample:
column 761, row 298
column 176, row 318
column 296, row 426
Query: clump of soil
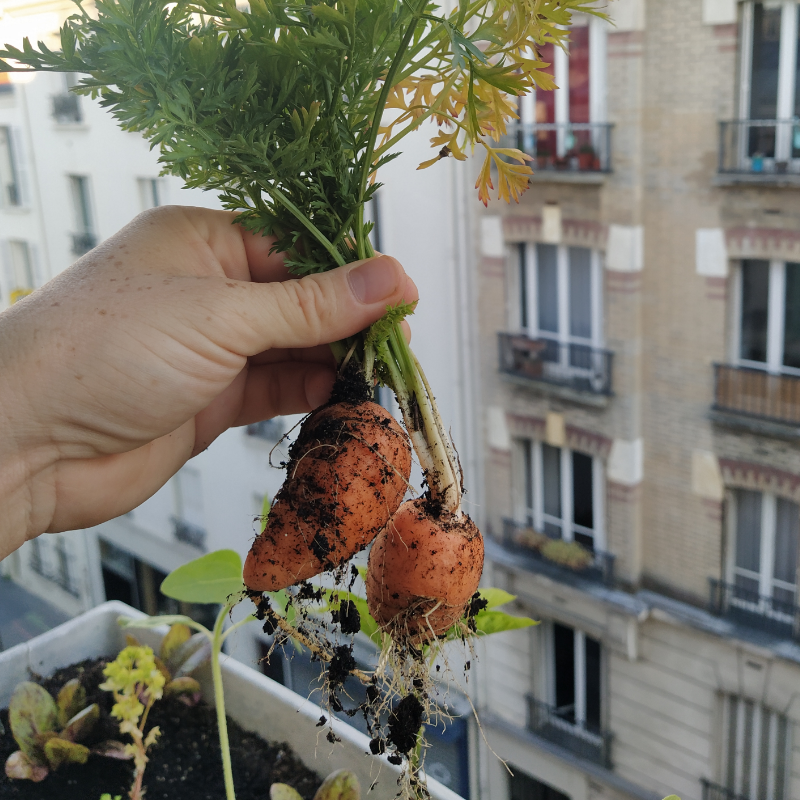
column 405, row 722
column 185, row 764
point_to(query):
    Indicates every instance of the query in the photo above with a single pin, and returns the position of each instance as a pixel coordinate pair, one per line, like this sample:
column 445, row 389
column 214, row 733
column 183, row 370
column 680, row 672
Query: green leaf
column 328, row 14
column 265, row 507
column 496, row 597
column 489, row 622
column 82, row 724
column 175, row 637
column 672, row 797
column 31, row 712
column 212, row 578
column 60, row 751
column 71, row 699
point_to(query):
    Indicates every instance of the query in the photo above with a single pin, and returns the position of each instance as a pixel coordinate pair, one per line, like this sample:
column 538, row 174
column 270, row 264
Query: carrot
column 347, row 474
column 423, row 570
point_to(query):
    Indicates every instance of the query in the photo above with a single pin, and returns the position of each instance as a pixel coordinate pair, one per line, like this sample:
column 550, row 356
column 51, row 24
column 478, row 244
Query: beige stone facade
column 699, row 692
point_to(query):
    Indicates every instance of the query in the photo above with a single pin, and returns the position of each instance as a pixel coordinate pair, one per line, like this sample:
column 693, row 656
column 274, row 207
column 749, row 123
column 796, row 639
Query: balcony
column 569, row 147
column 83, row 242
column 757, row 394
column 557, row 725
column 189, row 533
column 760, row 151
column 538, row 554
column 578, row 367
column 713, row 791
column 66, row 109
column 752, row 610
column 270, row 430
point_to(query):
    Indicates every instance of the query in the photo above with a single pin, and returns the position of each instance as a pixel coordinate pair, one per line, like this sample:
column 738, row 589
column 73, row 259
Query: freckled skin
column 422, row 571
column 347, row 477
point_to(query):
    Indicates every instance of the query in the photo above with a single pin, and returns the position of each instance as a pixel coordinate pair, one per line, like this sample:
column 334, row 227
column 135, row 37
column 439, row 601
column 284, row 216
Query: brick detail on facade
column 524, row 427
column 574, row 232
column 493, row 267
column 623, row 282
column 716, row 288
column 759, row 477
column 620, row 493
column 593, row 444
column 625, row 44
column 522, row 229
column 774, row 243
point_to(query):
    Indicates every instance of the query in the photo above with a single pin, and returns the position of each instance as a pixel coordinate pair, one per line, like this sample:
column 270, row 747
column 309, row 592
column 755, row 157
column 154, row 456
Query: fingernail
column 374, row 280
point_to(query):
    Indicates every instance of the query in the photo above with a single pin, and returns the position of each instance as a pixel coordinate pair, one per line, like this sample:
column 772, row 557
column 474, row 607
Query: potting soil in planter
column 185, row 763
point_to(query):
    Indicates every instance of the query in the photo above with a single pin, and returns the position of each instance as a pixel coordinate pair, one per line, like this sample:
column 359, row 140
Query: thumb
column 316, row 309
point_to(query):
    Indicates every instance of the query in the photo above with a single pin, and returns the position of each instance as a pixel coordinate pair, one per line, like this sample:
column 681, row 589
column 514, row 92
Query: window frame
column 579, row 680
column 787, row 72
column 532, row 489
column 776, row 314
column 528, row 297
column 767, row 583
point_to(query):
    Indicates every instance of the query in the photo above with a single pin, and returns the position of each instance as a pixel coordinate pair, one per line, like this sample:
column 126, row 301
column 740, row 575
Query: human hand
column 137, row 357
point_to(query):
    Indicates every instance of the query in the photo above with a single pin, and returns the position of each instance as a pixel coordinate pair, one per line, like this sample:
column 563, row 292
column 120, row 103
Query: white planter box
column 257, row 703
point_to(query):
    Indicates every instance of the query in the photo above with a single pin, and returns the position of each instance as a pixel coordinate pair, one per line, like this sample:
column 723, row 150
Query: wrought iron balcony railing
column 564, row 146
column 760, row 147
column 575, row 366
column 757, row 393
column 713, row 791
column 558, row 726
column 189, row 533
column 271, row 430
column 67, row 108
column 83, row 242
column 594, row 565
column 747, row 607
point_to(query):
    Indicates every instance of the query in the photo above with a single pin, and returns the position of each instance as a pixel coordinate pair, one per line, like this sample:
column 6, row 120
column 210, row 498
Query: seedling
column 136, row 682
column 49, row 732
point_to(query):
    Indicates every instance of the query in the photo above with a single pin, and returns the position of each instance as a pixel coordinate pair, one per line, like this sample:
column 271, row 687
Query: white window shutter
column 37, row 267
column 21, row 166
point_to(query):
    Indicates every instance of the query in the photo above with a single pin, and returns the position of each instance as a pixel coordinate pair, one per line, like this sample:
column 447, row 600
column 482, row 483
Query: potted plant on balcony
column 189, row 665
column 587, row 158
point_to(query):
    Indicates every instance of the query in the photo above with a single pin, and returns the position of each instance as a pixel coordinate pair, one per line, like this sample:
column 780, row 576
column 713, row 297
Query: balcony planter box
column 257, row 703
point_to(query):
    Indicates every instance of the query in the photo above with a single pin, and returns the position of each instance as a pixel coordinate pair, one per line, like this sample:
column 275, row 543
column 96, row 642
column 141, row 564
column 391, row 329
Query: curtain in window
column 551, row 475
column 748, row 543
column 580, row 292
column 579, row 74
column 755, row 310
column 764, row 77
column 547, row 273
column 787, row 533
column 791, row 319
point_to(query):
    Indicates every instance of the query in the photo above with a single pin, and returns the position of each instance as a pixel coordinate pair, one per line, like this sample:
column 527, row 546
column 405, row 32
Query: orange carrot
column 423, row 570
column 347, row 474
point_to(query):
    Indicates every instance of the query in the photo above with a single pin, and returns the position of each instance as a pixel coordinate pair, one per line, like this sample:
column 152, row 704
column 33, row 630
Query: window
column 525, row 787
column 51, row 559
column 764, row 553
column 563, row 493
column 10, row 183
column 564, row 114
column 84, row 238
column 560, row 295
column 770, row 89
column 189, row 520
column 576, row 678
column 152, row 192
column 66, row 105
column 755, row 750
column 770, row 315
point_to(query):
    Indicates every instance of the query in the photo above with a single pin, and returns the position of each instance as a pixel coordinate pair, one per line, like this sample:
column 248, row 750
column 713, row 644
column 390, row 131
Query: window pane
column 791, row 321
column 8, row 175
column 527, row 455
column 755, row 306
column 524, row 787
column 580, row 292
column 592, row 684
column 22, row 269
column 546, row 101
column 766, row 56
column 564, row 666
column 748, row 530
column 523, row 286
column 547, row 268
column 582, row 506
column 551, row 478
column 787, row 531
column 579, row 74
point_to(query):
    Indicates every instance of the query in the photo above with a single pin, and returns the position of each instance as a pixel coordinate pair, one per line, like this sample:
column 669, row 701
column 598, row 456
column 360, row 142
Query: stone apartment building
column 639, row 314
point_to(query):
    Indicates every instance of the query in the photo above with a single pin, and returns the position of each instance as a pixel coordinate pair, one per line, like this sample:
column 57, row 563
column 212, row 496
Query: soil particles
column 185, row 763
